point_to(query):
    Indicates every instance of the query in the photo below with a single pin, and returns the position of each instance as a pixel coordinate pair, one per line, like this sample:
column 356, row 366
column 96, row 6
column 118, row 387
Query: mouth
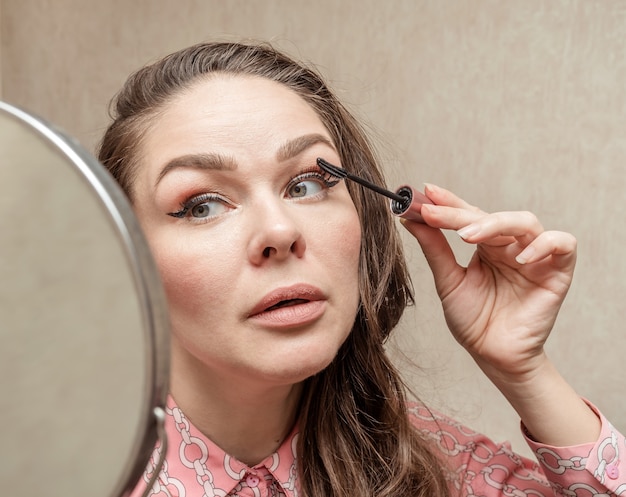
column 290, row 306
column 286, row 303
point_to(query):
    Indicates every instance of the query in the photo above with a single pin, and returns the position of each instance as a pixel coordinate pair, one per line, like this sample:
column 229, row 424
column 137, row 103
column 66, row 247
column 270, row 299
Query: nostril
column 280, row 249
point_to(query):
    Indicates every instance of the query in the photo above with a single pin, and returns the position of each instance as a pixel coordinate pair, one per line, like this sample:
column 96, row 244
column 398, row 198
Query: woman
column 283, row 285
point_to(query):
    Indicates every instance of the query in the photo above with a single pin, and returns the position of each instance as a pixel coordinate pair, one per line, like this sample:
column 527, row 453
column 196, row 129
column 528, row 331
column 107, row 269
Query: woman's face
column 258, row 254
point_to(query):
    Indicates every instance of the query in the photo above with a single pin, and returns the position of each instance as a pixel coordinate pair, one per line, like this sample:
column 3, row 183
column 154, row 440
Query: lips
column 290, row 306
column 285, row 303
column 283, row 297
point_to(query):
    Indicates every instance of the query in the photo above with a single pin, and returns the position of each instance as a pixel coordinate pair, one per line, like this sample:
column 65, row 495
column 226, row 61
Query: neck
column 247, row 420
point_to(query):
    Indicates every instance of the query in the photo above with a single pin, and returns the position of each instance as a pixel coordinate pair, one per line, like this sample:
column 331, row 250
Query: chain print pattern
column 475, row 466
column 487, row 464
column 164, row 484
column 192, row 456
column 603, row 462
column 609, row 459
column 581, row 471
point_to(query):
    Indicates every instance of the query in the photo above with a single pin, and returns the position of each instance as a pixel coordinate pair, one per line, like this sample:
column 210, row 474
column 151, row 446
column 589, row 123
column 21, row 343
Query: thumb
column 439, row 255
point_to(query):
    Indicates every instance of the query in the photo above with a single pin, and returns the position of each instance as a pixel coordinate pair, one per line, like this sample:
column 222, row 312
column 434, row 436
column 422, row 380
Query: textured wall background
column 513, row 105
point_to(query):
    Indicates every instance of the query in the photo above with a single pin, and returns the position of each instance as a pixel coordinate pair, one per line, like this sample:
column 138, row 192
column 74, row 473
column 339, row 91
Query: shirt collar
column 193, row 460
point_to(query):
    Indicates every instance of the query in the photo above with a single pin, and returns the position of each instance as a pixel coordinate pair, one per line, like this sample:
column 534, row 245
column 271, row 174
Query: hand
column 503, row 305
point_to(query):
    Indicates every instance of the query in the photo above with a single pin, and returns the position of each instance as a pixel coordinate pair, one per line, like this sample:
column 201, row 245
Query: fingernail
column 468, row 231
column 525, row 255
column 430, row 186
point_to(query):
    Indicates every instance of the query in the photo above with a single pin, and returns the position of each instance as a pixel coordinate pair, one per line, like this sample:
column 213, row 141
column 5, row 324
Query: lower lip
column 292, row 316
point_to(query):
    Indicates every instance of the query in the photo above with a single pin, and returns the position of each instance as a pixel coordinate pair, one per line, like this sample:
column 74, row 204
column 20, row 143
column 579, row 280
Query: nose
column 276, row 236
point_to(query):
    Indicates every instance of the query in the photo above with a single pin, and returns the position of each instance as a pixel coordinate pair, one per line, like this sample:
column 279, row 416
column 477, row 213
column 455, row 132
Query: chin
column 298, row 367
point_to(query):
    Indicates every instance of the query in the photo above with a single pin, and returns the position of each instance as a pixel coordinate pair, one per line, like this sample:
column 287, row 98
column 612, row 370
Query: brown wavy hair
column 356, row 438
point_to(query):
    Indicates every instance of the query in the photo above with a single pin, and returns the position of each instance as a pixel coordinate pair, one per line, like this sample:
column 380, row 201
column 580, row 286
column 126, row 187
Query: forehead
column 237, row 103
column 241, row 116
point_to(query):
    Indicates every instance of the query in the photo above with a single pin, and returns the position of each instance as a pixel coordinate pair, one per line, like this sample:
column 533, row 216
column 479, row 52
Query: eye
column 202, row 207
column 308, row 184
column 207, row 209
column 304, row 188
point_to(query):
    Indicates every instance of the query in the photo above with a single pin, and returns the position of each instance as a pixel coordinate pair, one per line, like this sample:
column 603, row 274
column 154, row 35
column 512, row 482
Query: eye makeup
column 188, row 206
column 405, row 202
column 328, row 180
column 314, row 174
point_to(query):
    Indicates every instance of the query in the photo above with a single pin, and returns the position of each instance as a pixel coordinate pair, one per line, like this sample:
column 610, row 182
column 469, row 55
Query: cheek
column 350, row 245
column 342, row 247
column 350, row 238
column 192, row 278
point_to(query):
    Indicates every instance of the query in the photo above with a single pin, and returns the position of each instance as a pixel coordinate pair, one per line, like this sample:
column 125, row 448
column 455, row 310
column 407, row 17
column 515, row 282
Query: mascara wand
column 406, row 202
column 343, row 174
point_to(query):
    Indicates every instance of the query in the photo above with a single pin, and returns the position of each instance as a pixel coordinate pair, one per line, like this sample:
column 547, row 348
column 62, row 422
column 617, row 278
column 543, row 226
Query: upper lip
column 300, row 291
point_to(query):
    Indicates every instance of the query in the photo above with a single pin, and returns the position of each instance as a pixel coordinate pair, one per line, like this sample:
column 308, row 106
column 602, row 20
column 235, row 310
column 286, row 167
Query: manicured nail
column 430, row 186
column 525, row 255
column 468, row 231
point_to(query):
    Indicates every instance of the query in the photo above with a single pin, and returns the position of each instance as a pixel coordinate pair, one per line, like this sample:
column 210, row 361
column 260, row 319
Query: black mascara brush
column 405, row 201
column 343, row 174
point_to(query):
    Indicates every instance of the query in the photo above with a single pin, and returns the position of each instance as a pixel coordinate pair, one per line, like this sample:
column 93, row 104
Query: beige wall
column 514, row 105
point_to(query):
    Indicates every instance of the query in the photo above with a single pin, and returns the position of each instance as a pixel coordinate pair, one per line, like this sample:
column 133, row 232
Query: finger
column 558, row 244
column 439, row 255
column 456, row 219
column 521, row 225
column 451, row 218
column 441, row 196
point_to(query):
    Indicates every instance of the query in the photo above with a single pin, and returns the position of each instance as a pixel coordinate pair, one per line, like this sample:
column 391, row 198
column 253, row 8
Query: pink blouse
column 196, row 467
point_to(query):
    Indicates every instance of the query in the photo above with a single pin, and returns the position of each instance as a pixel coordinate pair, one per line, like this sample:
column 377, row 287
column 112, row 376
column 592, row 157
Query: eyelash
column 327, row 180
column 191, row 202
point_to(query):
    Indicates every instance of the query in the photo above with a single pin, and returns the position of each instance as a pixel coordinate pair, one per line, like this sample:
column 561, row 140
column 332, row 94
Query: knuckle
column 529, row 217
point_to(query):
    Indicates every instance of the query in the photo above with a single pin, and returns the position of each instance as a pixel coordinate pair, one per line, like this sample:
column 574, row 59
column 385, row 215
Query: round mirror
column 84, row 358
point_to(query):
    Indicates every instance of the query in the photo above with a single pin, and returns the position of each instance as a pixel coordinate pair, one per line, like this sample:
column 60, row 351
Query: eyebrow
column 198, row 161
column 295, row 147
column 291, row 148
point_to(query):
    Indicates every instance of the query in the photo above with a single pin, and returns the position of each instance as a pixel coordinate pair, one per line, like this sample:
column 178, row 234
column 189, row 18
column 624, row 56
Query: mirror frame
column 147, row 284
